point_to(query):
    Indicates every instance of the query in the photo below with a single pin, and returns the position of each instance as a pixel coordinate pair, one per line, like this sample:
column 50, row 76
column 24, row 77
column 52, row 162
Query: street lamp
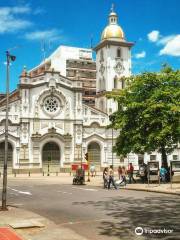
column 112, row 147
column 9, row 58
column 49, row 159
column 111, row 119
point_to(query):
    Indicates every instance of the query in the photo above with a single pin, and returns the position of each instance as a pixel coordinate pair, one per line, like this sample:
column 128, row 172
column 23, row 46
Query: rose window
column 51, row 104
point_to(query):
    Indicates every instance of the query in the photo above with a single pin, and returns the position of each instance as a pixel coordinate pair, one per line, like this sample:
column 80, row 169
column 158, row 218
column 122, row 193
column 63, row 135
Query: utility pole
column 4, row 190
column 112, row 148
column 91, row 45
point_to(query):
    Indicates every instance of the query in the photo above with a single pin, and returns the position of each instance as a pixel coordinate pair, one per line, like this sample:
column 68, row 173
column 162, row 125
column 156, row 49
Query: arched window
column 95, row 125
column 10, row 154
column 123, row 83
column 94, row 152
column 119, row 53
column 51, row 154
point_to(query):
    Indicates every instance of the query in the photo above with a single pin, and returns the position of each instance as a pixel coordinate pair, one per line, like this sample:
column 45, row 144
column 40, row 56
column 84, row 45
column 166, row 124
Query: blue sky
column 154, row 26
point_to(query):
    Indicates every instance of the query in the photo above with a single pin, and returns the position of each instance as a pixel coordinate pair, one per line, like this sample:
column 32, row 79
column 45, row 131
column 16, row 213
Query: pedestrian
column 163, row 173
column 93, row 170
column 124, row 173
column 130, row 173
column 143, row 172
column 111, row 177
column 105, row 177
column 120, row 172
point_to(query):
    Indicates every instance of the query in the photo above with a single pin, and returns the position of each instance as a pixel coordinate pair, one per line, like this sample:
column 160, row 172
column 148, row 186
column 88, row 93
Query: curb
column 145, row 190
column 151, row 190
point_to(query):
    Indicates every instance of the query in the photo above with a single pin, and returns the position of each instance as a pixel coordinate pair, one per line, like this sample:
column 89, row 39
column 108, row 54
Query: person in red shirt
column 130, row 173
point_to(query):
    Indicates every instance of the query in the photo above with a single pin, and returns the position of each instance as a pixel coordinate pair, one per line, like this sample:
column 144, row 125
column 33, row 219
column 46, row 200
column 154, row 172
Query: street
column 96, row 213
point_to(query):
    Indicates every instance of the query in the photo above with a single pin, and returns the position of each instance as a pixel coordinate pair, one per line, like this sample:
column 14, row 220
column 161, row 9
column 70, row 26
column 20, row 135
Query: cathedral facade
column 49, row 123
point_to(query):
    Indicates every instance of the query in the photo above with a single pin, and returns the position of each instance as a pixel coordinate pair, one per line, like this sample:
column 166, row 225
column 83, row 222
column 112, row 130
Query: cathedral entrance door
column 51, row 157
column 10, row 156
column 94, row 153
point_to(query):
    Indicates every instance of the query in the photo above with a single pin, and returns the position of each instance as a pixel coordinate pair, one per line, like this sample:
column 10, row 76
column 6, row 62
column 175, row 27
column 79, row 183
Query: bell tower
column 113, row 61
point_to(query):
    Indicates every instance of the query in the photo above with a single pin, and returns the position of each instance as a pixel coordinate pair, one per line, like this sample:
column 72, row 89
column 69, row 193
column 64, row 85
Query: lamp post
column 112, row 148
column 111, row 119
column 49, row 159
column 4, row 190
column 81, row 154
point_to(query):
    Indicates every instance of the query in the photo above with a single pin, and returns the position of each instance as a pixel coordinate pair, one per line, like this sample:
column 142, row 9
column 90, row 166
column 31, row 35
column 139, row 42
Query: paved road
column 96, row 213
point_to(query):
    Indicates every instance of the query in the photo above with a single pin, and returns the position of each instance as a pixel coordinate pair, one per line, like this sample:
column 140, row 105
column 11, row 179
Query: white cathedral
column 48, row 119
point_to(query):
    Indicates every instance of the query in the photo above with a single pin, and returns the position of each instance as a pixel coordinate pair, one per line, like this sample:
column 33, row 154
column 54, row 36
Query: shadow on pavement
column 128, row 213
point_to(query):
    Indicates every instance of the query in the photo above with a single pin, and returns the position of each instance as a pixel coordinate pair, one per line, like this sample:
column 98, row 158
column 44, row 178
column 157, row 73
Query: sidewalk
column 162, row 188
column 30, row 226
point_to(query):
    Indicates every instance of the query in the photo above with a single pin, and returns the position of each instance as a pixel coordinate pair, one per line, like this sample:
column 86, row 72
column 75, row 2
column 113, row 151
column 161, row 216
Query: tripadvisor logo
column 139, row 231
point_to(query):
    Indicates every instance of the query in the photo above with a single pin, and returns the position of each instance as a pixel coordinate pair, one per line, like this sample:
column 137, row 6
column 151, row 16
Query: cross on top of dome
column 113, row 18
column 112, row 7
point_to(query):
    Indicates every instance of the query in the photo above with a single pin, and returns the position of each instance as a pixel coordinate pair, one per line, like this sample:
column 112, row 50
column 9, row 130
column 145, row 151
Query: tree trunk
column 164, row 157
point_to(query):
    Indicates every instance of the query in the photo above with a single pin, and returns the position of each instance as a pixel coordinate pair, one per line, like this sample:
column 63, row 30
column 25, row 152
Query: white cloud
column 172, row 47
column 153, row 36
column 10, row 21
column 171, row 43
column 140, row 55
column 53, row 34
column 164, row 40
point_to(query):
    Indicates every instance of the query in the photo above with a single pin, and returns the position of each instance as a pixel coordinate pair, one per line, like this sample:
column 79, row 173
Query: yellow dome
column 112, row 31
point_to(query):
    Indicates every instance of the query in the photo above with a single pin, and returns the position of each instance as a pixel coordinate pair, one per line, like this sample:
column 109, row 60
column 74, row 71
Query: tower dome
column 113, row 30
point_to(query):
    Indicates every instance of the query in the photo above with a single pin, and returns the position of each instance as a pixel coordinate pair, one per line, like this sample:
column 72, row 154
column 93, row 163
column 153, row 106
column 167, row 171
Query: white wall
column 59, row 57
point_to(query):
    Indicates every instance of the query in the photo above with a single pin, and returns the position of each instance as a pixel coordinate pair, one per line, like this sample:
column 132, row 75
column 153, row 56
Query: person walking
column 105, row 177
column 163, row 173
column 93, row 170
column 111, row 178
column 143, row 172
column 130, row 173
column 124, row 173
column 120, row 172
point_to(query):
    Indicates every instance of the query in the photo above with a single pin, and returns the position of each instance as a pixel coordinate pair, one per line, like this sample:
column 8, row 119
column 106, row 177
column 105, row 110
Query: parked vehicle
column 79, row 178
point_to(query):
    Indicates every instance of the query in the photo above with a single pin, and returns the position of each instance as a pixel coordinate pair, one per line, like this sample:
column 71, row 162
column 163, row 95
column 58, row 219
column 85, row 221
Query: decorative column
column 67, row 148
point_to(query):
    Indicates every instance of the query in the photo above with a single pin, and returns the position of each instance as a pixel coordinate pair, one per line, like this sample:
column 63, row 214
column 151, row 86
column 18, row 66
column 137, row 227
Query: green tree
column 148, row 113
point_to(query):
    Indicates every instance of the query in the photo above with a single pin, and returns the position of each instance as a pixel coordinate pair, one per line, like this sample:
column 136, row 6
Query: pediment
column 93, row 136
